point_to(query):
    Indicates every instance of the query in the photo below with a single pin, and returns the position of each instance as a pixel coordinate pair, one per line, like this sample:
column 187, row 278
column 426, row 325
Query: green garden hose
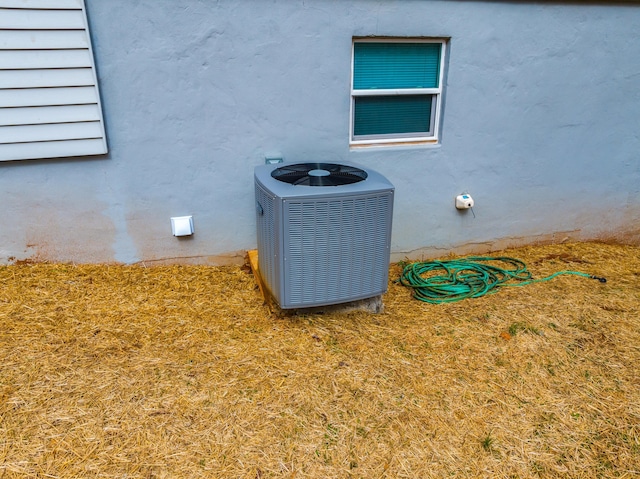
column 454, row 280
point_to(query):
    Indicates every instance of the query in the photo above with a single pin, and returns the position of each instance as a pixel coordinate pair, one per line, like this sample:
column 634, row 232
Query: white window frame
column 431, row 137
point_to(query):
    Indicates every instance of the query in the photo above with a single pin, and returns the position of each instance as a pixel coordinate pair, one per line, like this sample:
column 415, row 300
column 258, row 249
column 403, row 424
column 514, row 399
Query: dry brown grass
column 165, row 372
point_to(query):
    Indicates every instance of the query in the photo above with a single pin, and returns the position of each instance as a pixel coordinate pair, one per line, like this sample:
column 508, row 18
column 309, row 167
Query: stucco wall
column 541, row 125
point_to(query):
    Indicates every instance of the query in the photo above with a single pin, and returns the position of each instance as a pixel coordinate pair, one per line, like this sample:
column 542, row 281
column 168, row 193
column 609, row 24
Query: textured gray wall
column 541, row 125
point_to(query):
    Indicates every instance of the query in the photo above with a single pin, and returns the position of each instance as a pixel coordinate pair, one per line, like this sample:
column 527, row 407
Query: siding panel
column 48, row 114
column 42, row 39
column 41, row 19
column 49, row 99
column 26, row 59
column 51, row 149
column 48, row 4
column 50, row 132
column 46, row 78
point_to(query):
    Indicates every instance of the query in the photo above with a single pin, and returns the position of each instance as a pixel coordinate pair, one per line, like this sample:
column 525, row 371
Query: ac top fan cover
column 324, row 232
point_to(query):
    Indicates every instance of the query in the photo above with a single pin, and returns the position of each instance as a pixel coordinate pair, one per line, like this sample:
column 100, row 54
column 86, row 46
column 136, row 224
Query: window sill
column 396, row 144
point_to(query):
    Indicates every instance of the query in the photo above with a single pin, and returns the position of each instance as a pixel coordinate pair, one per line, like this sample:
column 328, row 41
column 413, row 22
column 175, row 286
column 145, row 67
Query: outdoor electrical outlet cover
column 464, row 201
column 182, row 225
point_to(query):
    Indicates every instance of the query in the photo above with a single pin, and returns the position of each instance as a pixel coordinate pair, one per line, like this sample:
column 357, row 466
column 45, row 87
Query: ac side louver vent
column 324, row 232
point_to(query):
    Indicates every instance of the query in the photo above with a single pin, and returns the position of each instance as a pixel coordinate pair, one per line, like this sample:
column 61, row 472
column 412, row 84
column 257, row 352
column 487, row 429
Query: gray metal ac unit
column 324, row 232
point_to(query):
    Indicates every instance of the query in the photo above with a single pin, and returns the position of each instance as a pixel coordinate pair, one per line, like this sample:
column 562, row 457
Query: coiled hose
column 449, row 281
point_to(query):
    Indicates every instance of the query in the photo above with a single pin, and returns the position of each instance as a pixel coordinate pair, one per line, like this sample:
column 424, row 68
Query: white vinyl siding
column 49, row 98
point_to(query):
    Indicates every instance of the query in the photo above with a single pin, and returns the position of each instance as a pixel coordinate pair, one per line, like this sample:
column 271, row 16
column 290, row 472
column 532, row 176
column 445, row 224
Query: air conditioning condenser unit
column 324, row 232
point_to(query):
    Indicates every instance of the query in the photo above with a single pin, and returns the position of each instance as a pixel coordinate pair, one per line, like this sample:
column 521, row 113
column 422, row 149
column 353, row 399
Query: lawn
column 182, row 371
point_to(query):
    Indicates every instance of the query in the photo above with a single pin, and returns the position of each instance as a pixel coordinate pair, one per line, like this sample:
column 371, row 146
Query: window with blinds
column 49, row 99
column 396, row 90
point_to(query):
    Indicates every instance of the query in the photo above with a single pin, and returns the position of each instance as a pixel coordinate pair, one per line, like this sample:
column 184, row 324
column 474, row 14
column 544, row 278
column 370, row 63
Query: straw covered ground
column 181, row 371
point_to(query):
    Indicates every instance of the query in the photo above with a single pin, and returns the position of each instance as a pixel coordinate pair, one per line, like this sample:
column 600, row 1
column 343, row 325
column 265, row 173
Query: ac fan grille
column 319, row 174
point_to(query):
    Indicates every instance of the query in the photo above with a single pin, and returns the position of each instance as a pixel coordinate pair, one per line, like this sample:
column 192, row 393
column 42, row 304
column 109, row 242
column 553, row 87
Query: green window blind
column 384, row 115
column 396, row 65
